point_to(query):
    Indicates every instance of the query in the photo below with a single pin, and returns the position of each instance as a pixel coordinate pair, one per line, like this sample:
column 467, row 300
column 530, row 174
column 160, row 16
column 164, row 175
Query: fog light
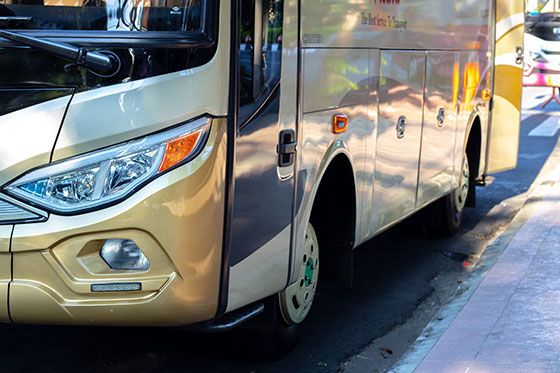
column 124, row 255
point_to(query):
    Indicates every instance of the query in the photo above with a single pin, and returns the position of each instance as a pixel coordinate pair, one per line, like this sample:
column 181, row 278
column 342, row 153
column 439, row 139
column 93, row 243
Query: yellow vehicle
column 200, row 162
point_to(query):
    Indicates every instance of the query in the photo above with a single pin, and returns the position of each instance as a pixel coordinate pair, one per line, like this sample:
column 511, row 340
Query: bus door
column 264, row 156
column 5, row 265
column 503, row 140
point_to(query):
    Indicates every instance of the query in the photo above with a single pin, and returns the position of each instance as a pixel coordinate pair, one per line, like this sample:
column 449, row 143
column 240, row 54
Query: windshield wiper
column 103, row 62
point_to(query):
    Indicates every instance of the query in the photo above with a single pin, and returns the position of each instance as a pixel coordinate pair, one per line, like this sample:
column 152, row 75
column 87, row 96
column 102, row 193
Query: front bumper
column 47, row 272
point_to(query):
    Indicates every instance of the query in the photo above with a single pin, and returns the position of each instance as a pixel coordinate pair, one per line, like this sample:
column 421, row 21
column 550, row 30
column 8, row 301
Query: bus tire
column 293, row 305
column 454, row 203
column 268, row 345
column 295, row 301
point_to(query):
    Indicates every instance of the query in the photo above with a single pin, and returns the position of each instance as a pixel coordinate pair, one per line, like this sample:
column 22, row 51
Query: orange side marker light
column 179, row 149
column 339, row 123
column 486, row 95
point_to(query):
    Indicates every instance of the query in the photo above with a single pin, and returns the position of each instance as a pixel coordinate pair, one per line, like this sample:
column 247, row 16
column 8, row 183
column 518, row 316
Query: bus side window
column 260, row 52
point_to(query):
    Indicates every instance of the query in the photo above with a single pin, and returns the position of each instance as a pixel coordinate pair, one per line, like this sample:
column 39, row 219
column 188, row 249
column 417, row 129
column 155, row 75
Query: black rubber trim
column 61, row 124
column 233, row 107
column 95, row 39
column 271, row 96
column 19, row 98
column 11, row 274
column 40, row 219
column 298, row 141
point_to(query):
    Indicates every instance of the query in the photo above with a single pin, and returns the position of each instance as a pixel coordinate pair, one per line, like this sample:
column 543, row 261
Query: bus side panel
column 410, row 24
column 401, row 100
column 336, row 81
column 371, row 145
column 505, row 125
column 439, row 125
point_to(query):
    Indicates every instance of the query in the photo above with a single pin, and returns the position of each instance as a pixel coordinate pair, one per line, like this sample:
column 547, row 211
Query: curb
column 441, row 321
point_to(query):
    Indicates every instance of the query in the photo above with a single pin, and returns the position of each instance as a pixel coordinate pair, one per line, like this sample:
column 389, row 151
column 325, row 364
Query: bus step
column 229, row 320
column 485, row 181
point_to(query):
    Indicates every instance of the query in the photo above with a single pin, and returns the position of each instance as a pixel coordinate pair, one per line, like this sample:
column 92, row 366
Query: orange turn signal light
column 179, row 149
column 339, row 123
column 486, row 95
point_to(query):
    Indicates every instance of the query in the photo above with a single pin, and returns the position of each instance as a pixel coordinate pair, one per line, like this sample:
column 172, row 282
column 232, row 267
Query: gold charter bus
column 205, row 162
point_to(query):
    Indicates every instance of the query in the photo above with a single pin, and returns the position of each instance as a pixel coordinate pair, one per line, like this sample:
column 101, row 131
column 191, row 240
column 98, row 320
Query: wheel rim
column 460, row 194
column 296, row 300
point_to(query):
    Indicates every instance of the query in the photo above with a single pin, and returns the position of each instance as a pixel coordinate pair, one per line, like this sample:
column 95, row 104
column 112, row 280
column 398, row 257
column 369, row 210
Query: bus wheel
column 296, row 300
column 292, row 306
column 454, row 203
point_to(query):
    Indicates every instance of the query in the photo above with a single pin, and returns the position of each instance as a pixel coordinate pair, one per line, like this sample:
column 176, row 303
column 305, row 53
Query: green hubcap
column 460, row 194
column 309, row 268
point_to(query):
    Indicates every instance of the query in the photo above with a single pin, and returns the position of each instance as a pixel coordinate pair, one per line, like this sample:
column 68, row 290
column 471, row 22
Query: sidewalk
column 512, row 321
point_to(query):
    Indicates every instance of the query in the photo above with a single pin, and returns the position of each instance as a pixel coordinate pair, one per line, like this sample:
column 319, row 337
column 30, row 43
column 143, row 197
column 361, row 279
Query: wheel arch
column 333, row 214
column 472, row 147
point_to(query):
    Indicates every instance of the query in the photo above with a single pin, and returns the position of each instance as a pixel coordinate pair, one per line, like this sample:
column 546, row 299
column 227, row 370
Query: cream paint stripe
column 507, row 59
column 506, row 24
column 510, row 31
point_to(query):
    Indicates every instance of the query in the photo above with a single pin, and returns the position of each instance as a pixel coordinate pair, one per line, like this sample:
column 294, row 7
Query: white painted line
column 548, row 128
column 541, row 112
column 535, row 102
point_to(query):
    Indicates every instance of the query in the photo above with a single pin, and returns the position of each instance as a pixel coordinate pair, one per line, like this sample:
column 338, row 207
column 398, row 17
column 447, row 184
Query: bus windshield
column 101, row 15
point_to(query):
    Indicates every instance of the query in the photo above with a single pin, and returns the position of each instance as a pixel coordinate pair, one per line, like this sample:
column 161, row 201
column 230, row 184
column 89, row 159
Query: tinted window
column 548, row 32
column 261, row 52
column 545, row 26
column 110, row 15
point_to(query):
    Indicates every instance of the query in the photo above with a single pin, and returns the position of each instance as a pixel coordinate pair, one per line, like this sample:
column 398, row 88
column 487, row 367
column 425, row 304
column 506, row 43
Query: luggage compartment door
column 401, row 100
column 439, row 126
column 503, row 140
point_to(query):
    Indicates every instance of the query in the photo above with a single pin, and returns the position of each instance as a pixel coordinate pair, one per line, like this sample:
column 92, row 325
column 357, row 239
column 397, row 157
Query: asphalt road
column 397, row 274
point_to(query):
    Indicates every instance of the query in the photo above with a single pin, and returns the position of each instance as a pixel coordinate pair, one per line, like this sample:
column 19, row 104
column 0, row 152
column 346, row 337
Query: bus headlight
column 103, row 177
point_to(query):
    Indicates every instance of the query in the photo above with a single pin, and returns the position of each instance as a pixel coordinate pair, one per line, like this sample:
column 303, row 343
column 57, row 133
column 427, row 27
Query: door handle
column 519, row 58
column 441, row 117
column 286, row 148
column 401, row 127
